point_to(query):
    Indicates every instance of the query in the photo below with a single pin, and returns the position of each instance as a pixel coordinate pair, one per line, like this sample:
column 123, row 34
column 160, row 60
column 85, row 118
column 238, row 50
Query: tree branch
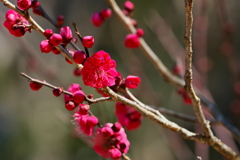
column 212, row 140
column 44, row 83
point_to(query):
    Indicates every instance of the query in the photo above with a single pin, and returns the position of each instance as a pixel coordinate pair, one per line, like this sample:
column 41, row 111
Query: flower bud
column 132, row 41
column 78, row 96
column 55, row 51
column 106, row 13
column 45, row 46
column 92, row 121
column 132, row 82
column 60, row 20
column 70, row 105
column 96, row 19
column 129, row 6
column 48, row 33
column 24, row 4
column 35, row 86
column 35, row 4
column 79, row 57
column 37, row 11
column 140, row 32
column 57, row 91
column 55, row 39
column 66, row 34
column 88, row 41
column 83, row 109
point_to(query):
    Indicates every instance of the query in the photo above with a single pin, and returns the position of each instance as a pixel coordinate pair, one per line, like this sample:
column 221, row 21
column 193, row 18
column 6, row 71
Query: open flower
column 99, row 70
column 128, row 116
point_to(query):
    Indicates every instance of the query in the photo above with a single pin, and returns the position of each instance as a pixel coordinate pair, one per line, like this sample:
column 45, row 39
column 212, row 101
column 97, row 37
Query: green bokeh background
column 36, row 126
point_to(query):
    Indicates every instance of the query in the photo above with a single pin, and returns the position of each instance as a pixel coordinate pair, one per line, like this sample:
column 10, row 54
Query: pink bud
column 97, row 20
column 83, row 109
column 57, row 91
column 55, row 51
column 187, row 99
column 79, row 57
column 55, row 39
column 132, row 41
column 35, row 86
column 66, row 34
column 45, row 46
column 37, row 11
column 106, row 13
column 92, row 121
column 116, row 127
column 132, row 82
column 19, row 31
column 88, row 41
column 60, row 20
column 78, row 96
column 115, row 153
column 11, row 17
column 128, row 5
column 48, row 33
column 24, row 4
column 140, row 32
column 76, row 72
column 178, row 69
column 35, row 4
column 90, row 96
column 107, row 132
column 70, row 105
column 122, row 146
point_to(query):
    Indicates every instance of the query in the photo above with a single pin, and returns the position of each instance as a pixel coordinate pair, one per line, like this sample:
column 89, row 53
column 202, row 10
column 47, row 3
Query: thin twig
column 165, row 111
column 125, row 157
column 188, row 70
column 44, row 83
column 80, row 37
column 212, row 140
column 183, row 116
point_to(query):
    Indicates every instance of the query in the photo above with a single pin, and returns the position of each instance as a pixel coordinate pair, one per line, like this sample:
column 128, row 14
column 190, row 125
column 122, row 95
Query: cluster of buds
column 111, row 141
column 26, row 4
column 99, row 17
column 71, row 102
column 132, row 40
column 54, row 39
column 16, row 24
column 84, row 120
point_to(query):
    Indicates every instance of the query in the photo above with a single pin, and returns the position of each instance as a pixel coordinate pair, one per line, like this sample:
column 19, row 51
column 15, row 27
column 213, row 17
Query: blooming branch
column 39, row 29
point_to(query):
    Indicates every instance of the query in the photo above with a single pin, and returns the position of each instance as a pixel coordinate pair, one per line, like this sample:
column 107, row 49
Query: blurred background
column 36, row 125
